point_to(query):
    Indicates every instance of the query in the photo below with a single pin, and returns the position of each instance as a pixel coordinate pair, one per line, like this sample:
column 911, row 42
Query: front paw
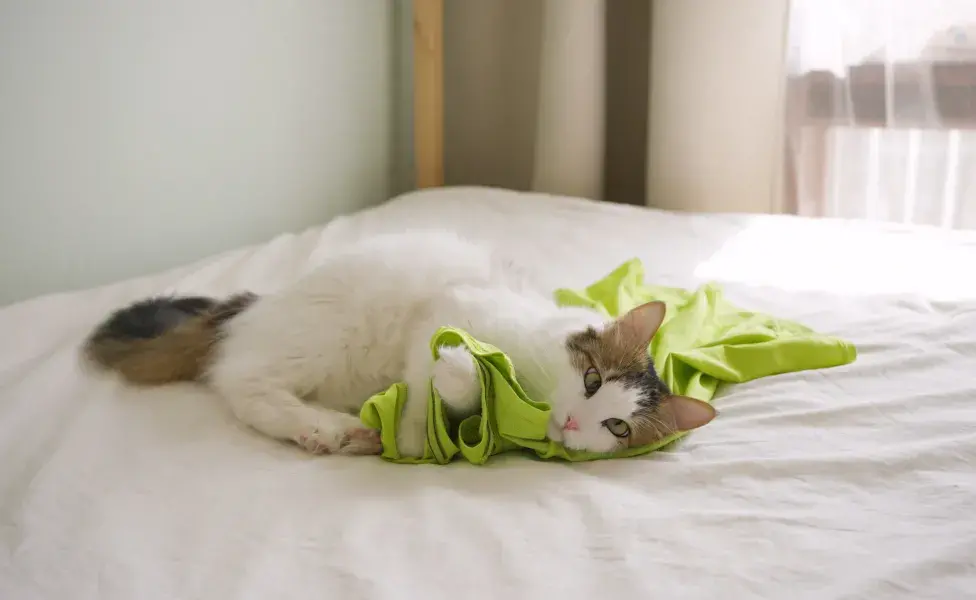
column 339, row 434
column 317, row 441
column 455, row 378
column 361, row 441
column 412, row 439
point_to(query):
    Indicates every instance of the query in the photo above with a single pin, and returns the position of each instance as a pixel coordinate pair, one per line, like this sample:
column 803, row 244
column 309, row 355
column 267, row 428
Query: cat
column 298, row 364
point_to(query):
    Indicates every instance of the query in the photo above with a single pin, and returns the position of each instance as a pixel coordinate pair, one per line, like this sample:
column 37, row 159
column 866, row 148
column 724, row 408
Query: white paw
column 456, row 379
column 341, row 435
column 361, row 440
column 317, row 441
column 412, row 438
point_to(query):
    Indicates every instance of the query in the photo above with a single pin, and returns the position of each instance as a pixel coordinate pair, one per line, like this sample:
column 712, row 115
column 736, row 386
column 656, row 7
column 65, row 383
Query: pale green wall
column 139, row 135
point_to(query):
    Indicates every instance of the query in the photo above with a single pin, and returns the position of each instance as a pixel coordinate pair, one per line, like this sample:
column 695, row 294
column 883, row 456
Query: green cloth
column 704, row 340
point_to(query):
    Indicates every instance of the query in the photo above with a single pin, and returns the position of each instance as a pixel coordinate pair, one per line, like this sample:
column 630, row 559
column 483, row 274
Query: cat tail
column 163, row 339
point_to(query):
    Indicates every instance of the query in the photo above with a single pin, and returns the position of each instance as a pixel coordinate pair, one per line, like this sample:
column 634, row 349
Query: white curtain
column 846, row 108
column 671, row 103
column 882, row 110
column 715, row 141
column 569, row 142
column 548, row 95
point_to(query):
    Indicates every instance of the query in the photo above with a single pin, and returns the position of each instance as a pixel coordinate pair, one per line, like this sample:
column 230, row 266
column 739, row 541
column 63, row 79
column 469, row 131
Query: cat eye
column 592, row 380
column 617, row 427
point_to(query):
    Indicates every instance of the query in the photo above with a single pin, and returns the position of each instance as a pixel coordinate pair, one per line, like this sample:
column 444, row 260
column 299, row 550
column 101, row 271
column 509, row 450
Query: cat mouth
column 555, row 431
column 570, row 441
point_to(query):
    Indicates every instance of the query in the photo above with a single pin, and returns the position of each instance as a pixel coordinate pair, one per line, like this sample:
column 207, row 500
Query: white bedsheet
column 855, row 482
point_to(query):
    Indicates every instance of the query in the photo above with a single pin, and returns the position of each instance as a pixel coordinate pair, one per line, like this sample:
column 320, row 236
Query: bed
column 854, row 482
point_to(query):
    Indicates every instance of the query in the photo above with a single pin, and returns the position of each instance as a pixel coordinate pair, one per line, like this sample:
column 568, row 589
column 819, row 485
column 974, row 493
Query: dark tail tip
column 152, row 317
column 162, row 339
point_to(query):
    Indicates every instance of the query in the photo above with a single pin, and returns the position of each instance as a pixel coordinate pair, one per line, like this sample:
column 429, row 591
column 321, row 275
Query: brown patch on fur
column 145, row 350
column 614, row 351
column 178, row 355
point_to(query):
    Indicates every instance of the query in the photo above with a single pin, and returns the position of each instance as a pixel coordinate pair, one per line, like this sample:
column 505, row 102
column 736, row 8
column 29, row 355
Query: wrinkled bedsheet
column 854, row 482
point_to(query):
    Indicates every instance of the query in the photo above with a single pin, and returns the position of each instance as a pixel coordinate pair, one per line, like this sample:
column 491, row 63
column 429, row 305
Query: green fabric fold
column 704, row 341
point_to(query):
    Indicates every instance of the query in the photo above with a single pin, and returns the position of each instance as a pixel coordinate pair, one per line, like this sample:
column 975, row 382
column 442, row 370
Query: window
column 881, row 110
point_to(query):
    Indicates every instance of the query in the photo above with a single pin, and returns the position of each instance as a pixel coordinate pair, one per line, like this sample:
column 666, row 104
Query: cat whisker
column 650, row 422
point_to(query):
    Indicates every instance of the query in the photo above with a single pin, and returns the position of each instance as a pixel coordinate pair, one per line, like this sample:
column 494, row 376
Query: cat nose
column 571, row 424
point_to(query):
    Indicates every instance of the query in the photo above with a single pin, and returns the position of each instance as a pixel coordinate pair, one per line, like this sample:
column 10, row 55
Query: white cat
column 297, row 365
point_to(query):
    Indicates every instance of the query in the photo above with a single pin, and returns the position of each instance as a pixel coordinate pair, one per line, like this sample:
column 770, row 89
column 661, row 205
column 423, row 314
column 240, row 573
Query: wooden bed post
column 428, row 91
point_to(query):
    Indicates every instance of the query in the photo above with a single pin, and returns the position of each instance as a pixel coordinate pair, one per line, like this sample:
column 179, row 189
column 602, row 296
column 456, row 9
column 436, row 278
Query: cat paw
column 412, row 439
column 361, row 441
column 316, row 441
column 456, row 379
column 338, row 433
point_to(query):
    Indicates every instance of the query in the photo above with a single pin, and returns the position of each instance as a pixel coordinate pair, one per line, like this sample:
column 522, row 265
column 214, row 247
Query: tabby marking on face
column 619, row 353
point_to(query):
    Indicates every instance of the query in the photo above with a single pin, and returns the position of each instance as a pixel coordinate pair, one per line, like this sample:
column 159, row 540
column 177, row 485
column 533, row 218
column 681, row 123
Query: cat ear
column 687, row 413
column 644, row 320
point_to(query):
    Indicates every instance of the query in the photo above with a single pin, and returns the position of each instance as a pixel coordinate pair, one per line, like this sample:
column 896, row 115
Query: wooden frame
column 428, row 91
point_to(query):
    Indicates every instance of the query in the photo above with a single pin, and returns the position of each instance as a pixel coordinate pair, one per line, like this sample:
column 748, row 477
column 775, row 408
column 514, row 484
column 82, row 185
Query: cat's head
column 605, row 393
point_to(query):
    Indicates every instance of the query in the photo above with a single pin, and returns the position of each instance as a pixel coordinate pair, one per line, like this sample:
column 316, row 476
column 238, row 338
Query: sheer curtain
column 881, row 110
